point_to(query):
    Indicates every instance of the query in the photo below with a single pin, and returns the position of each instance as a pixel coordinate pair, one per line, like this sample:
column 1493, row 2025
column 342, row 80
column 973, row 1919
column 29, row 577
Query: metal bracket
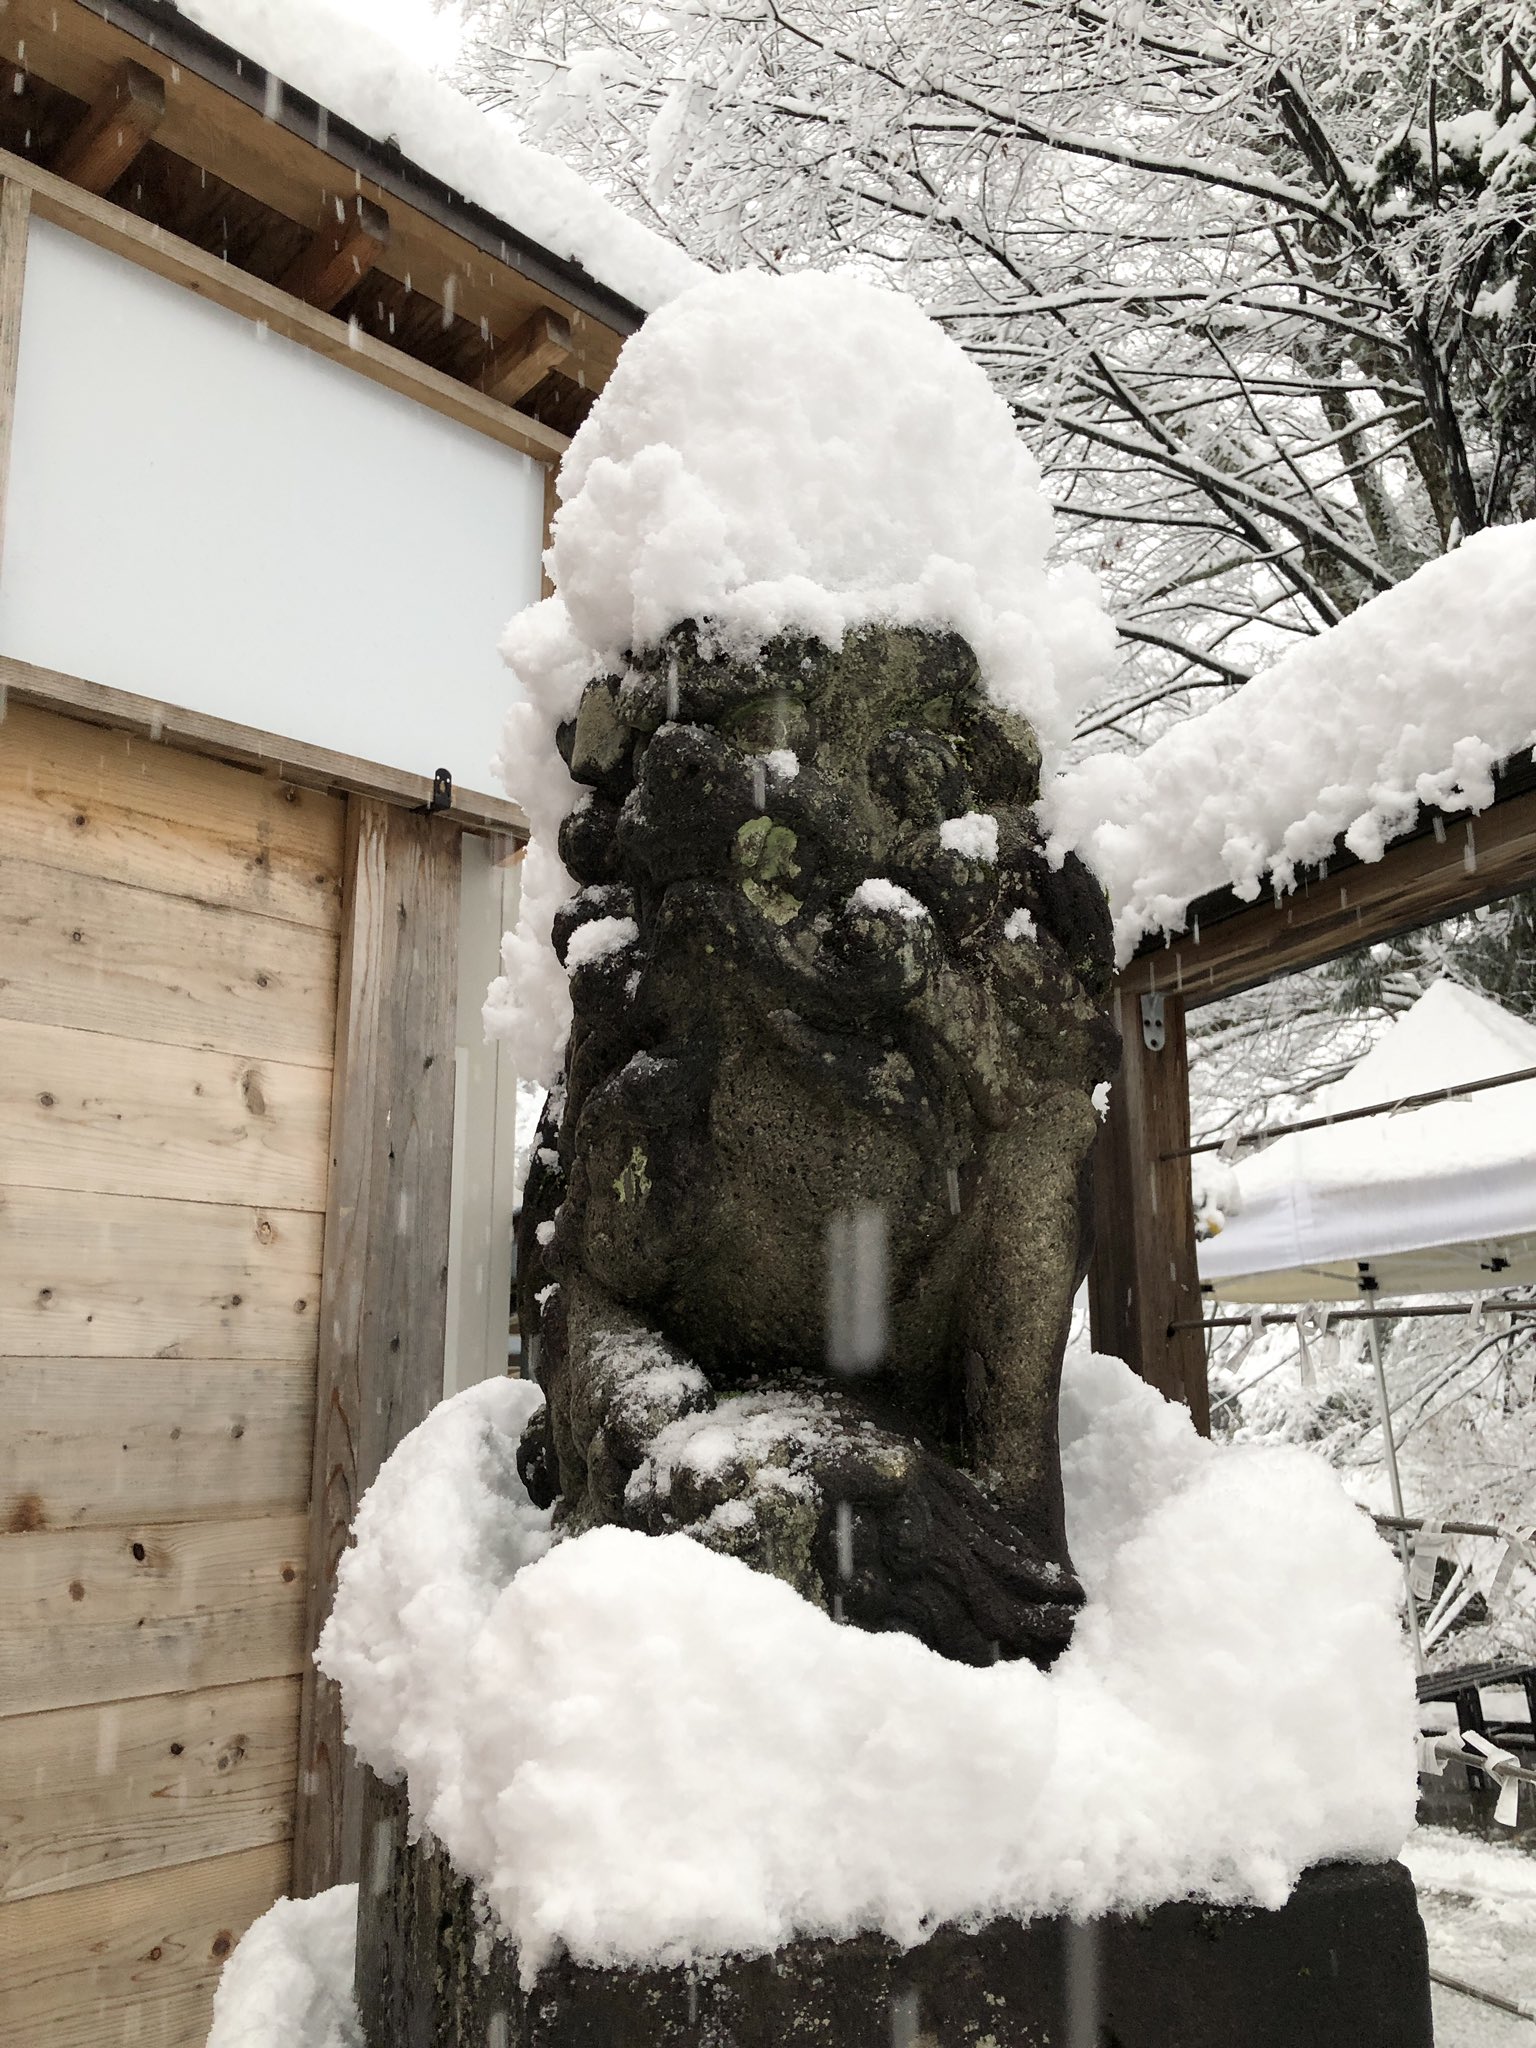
column 441, row 798
column 1154, row 1026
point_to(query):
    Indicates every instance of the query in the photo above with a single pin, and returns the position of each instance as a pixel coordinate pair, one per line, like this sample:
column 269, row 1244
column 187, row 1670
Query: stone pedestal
column 1341, row 1965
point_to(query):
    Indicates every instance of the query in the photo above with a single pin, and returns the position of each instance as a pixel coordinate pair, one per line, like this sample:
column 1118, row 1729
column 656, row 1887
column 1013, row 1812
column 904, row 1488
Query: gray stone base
column 1341, row 1965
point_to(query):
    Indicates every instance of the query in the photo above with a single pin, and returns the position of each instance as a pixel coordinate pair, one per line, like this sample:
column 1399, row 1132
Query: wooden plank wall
column 168, row 969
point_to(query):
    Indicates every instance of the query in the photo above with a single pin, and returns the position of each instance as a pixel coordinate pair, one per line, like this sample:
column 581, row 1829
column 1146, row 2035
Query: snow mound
column 438, row 1535
column 646, row 1752
column 289, row 1982
column 359, row 73
column 1414, row 699
column 780, row 454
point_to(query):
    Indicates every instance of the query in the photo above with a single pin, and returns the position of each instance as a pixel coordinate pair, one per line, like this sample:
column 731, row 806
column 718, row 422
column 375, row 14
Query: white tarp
column 1430, row 1200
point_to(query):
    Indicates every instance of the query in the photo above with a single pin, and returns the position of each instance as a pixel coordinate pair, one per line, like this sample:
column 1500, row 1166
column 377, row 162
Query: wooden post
column 1144, row 1282
column 15, row 212
column 384, row 1290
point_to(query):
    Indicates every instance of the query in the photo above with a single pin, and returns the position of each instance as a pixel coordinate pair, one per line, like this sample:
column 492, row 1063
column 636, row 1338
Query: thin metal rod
column 1389, row 1445
column 1521, row 2012
column 1413, row 1523
column 1454, row 1754
column 1349, row 1116
column 1362, row 1315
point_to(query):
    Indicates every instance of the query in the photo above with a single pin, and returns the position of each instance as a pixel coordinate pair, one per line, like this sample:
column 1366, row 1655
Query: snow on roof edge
column 1416, row 701
column 363, row 79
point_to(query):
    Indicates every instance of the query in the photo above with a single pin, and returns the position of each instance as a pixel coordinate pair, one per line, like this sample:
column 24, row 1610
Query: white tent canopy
column 1424, row 1201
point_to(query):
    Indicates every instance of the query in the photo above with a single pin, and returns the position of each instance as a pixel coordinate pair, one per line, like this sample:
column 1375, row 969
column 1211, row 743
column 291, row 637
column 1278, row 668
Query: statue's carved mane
column 819, row 961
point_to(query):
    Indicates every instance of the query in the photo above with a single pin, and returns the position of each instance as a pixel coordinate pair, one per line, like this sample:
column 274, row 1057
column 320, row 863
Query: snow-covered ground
column 288, row 1983
column 1478, row 1901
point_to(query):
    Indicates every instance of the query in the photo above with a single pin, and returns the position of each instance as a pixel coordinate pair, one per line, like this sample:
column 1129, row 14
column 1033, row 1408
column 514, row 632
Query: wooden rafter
column 74, row 45
column 540, row 345
column 118, row 125
column 346, row 246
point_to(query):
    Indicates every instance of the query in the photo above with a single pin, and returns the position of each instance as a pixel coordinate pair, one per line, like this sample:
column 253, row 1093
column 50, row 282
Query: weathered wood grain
column 134, row 1960
column 114, row 130
column 100, row 1114
column 1417, row 882
column 104, row 803
column 386, row 1242
column 1143, row 1279
column 92, row 1793
column 109, row 1614
column 292, row 762
column 115, row 1116
column 117, row 1276
column 107, row 956
column 106, row 1441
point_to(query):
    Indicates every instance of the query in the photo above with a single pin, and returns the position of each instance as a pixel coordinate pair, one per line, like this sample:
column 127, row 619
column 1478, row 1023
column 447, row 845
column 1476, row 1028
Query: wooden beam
column 134, row 1959
column 282, row 760
column 106, row 1791
column 347, row 245
column 1144, row 1280
column 115, row 228
column 15, row 208
column 384, row 1291
column 77, row 47
column 1469, row 862
column 117, row 127
column 91, row 1616
column 540, row 345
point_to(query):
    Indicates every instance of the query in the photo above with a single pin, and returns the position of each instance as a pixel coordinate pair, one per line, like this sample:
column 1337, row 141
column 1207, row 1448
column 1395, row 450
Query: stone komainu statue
column 765, row 1053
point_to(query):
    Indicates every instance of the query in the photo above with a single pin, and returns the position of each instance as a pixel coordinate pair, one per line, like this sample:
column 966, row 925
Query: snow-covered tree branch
column 1258, row 283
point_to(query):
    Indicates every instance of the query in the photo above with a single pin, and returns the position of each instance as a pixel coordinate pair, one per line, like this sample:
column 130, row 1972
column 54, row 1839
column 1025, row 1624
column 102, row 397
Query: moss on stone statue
column 782, row 1046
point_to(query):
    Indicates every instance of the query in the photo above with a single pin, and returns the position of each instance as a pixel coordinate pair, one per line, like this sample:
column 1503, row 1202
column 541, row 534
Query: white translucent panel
column 484, row 1195
column 204, row 513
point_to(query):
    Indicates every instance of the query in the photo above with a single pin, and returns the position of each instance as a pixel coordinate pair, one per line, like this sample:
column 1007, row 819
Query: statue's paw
column 933, row 1556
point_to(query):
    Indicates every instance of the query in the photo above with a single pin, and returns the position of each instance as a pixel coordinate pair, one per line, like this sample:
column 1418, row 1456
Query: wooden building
column 278, row 414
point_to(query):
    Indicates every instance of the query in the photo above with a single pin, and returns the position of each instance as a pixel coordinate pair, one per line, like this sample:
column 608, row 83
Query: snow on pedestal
column 646, row 1752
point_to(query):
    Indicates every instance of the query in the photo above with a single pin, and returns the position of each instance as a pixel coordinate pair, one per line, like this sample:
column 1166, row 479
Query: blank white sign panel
column 207, row 514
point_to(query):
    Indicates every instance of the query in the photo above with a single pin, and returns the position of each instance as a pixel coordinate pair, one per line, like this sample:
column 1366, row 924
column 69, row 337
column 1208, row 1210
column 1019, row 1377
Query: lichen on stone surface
column 825, row 1005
